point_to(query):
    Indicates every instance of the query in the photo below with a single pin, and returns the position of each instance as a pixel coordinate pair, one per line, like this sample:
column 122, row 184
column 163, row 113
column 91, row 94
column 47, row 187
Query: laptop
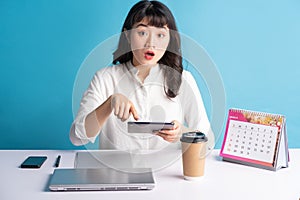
column 156, row 160
column 101, row 179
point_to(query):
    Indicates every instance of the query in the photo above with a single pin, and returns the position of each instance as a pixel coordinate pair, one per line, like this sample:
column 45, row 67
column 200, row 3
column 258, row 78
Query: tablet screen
column 149, row 127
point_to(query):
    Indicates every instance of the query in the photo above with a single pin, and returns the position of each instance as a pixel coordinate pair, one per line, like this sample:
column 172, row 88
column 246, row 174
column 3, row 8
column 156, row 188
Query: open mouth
column 149, row 55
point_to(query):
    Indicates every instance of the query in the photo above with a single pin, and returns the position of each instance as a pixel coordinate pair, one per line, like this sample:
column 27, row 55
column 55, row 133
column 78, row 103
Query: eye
column 142, row 33
column 161, row 35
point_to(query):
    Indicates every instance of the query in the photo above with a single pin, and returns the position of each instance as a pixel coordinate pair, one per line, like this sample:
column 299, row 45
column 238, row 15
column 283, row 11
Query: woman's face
column 148, row 43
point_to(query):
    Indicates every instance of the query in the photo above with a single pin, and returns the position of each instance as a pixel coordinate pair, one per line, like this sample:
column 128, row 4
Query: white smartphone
column 148, row 127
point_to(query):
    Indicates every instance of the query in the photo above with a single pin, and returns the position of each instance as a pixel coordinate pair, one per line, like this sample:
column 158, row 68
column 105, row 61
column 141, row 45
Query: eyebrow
column 145, row 25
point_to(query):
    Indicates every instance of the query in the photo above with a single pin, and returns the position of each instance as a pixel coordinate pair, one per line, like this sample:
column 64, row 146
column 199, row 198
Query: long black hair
column 158, row 15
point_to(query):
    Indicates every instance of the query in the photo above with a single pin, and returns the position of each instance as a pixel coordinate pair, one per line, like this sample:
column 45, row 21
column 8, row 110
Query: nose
column 150, row 41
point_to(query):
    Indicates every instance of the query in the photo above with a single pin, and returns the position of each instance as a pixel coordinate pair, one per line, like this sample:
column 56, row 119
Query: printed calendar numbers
column 242, row 142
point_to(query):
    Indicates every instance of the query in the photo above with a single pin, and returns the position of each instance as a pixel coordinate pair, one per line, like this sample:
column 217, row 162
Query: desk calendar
column 255, row 138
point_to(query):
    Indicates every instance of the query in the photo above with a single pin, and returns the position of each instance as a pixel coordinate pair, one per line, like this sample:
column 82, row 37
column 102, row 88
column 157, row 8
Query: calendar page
column 252, row 137
column 252, row 141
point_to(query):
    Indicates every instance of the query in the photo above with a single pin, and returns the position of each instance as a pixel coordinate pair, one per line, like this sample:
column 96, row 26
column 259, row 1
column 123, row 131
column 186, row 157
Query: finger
column 168, row 132
column 126, row 112
column 176, row 124
column 117, row 109
column 134, row 112
column 121, row 111
column 161, row 135
column 167, row 137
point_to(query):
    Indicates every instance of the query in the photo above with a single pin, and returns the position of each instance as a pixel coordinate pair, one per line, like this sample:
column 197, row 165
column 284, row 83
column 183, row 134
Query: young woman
column 147, row 83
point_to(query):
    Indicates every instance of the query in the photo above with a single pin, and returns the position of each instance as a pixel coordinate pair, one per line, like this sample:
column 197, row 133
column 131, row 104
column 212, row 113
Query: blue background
column 255, row 45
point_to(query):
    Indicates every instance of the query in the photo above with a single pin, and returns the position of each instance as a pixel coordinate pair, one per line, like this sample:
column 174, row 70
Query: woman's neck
column 143, row 71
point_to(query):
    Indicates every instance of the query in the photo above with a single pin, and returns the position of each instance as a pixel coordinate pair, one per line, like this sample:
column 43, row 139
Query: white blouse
column 151, row 103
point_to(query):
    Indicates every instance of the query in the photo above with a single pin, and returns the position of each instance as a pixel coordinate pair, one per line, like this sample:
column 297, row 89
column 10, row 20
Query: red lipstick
column 149, row 55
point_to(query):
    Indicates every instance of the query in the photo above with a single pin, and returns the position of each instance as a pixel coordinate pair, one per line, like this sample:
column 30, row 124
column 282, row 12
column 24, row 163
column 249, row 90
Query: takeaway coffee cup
column 193, row 154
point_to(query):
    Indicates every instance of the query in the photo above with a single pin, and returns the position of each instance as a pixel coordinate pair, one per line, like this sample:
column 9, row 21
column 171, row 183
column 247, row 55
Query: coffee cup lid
column 193, row 137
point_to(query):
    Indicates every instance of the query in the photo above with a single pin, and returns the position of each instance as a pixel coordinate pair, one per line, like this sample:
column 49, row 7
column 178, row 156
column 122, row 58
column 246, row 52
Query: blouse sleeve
column 92, row 98
column 195, row 115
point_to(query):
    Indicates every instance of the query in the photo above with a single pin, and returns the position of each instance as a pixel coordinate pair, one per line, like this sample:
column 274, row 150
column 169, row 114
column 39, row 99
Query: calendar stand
column 255, row 139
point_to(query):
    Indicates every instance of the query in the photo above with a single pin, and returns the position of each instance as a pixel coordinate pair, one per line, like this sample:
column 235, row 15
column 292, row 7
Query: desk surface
column 223, row 180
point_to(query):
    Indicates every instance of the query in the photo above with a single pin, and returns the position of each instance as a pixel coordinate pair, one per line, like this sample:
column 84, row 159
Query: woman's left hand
column 172, row 135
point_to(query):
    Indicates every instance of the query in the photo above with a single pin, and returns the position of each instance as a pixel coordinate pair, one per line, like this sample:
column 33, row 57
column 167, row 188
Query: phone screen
column 33, row 162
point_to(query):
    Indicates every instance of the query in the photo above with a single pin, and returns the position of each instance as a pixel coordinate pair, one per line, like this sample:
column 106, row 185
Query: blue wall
column 255, row 45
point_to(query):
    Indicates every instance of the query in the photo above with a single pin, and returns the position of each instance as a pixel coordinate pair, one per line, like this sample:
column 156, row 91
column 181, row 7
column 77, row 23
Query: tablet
column 148, row 127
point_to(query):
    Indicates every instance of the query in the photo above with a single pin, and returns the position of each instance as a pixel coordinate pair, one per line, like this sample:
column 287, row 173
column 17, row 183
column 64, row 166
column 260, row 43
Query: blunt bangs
column 153, row 17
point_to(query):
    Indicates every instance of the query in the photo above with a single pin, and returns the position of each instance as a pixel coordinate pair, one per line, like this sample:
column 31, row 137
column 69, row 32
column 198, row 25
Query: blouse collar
column 134, row 70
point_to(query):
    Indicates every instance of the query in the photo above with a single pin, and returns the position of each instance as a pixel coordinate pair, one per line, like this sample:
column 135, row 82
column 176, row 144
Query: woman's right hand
column 123, row 107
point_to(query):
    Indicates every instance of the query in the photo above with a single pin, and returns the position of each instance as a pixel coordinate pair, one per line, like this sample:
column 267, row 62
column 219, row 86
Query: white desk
column 222, row 180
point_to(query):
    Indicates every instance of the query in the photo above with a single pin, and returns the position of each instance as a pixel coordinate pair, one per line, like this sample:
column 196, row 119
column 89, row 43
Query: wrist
column 104, row 109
